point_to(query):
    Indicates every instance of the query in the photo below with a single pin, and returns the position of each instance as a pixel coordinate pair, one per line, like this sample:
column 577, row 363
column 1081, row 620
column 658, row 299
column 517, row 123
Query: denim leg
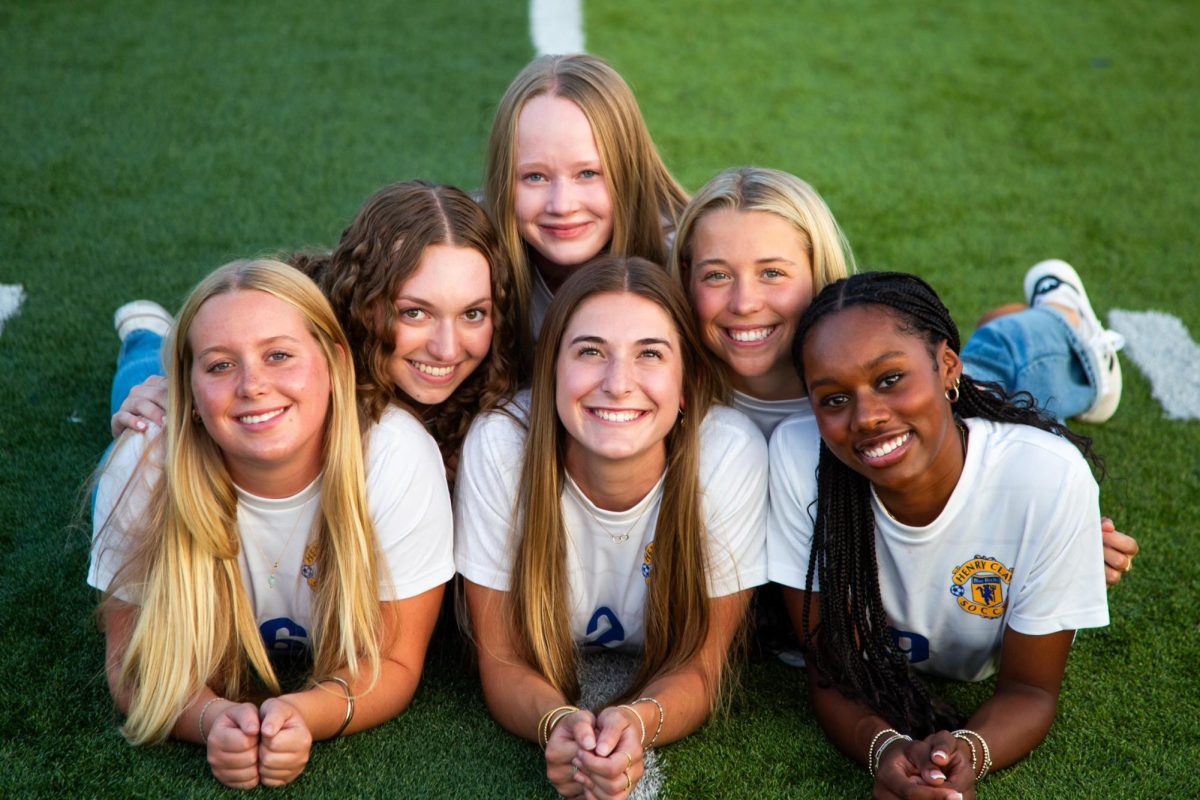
column 1035, row 351
column 140, row 357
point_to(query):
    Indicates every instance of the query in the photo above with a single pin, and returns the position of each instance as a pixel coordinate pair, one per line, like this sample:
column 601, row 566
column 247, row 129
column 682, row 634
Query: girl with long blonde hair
column 615, row 506
column 572, row 173
column 254, row 525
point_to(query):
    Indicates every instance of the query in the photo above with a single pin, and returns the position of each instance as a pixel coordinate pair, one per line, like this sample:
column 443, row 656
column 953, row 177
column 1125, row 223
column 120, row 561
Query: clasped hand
column 595, row 757
column 249, row 745
column 934, row 768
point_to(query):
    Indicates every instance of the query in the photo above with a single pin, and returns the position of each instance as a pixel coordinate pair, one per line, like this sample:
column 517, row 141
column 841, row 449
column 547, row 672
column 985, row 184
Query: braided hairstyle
column 854, row 650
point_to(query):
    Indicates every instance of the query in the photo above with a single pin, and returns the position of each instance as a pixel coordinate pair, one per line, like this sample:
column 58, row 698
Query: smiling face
column 562, row 203
column 750, row 279
column 261, row 386
column 443, row 328
column 618, row 384
column 880, row 403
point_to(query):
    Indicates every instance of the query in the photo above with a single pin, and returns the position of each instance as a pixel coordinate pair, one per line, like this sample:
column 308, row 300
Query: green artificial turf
column 144, row 143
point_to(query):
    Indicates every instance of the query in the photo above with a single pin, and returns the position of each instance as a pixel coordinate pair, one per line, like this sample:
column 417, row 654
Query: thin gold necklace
column 271, row 579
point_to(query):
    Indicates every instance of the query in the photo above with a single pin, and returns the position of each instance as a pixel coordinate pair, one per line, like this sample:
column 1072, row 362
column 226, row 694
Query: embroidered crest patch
column 647, row 562
column 981, row 586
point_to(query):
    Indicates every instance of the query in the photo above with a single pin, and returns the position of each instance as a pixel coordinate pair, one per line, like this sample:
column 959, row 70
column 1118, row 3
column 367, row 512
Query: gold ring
column 628, row 781
column 628, row 759
column 1128, row 566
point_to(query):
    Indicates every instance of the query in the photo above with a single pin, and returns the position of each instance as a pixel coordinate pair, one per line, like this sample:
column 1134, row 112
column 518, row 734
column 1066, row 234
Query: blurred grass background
column 144, row 143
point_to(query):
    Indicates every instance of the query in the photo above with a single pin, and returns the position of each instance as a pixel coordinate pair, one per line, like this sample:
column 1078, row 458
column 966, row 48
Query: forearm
column 1013, row 722
column 849, row 723
column 518, row 696
column 324, row 706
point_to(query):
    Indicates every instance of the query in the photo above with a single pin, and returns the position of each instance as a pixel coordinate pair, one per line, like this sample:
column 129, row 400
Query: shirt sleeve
column 794, row 453
column 733, row 473
column 1064, row 588
column 485, row 507
column 409, row 504
column 123, row 493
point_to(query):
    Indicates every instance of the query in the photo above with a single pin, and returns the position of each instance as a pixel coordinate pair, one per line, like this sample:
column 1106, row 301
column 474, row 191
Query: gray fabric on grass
column 602, row 676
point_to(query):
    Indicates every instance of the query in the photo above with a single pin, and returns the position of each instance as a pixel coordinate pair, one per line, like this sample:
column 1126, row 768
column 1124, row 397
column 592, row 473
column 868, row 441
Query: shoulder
column 399, row 433
column 1023, row 453
column 730, row 444
column 500, row 430
column 796, row 444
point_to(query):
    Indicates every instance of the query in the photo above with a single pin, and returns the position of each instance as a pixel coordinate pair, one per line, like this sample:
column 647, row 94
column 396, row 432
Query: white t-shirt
column 1017, row 545
column 608, row 578
column 767, row 414
column 407, row 499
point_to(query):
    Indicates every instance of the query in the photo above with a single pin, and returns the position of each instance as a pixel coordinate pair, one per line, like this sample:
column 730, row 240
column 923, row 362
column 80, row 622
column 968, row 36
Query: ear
column 949, row 364
column 341, row 351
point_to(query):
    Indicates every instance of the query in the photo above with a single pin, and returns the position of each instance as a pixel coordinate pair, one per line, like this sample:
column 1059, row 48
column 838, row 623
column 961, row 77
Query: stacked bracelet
column 638, row 717
column 875, row 756
column 349, row 701
column 549, row 720
column 661, row 718
column 980, row 771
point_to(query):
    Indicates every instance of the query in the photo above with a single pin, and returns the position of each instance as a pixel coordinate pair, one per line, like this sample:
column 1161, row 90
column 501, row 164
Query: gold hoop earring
column 952, row 393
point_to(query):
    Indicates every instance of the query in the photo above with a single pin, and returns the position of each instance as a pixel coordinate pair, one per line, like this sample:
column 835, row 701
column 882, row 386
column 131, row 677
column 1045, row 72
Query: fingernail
column 937, row 775
column 939, row 753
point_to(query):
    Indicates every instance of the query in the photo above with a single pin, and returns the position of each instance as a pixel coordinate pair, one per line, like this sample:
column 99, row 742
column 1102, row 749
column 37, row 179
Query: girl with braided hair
column 755, row 245
column 939, row 525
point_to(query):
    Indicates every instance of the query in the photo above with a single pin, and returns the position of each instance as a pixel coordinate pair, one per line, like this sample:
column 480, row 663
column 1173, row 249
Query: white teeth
column 753, row 335
column 617, row 416
column 436, row 372
column 254, row 419
column 886, row 447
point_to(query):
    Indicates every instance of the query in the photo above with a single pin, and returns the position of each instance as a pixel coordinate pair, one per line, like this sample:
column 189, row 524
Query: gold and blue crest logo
column 648, row 561
column 981, row 586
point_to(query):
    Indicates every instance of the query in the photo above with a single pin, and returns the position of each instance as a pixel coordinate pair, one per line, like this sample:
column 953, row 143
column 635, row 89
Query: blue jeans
column 1035, row 351
column 140, row 357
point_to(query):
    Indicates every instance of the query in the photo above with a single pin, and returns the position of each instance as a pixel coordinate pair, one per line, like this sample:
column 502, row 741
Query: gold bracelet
column 545, row 725
column 661, row 717
column 349, row 701
column 640, row 722
column 963, row 733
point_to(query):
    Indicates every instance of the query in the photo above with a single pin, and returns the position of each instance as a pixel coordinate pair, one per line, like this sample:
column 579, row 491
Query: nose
column 251, row 382
column 561, row 199
column 443, row 342
column 618, row 380
column 745, row 299
column 870, row 412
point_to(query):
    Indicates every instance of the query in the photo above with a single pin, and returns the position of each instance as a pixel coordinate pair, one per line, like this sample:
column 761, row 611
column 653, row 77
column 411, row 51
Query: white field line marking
column 1166, row 354
column 556, row 26
column 11, row 297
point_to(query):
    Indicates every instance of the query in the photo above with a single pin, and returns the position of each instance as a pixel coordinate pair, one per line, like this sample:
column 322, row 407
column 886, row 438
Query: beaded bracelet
column 895, row 737
column 964, row 733
column 203, row 711
column 638, row 717
column 661, row 718
column 871, row 749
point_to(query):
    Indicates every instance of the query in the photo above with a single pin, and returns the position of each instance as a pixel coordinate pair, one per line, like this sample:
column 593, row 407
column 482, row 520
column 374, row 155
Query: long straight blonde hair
column 195, row 624
column 646, row 199
column 677, row 610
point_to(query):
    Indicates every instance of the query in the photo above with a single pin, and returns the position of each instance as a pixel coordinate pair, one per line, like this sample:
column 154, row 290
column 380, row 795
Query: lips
column 751, row 335
column 617, row 415
column 568, row 231
column 260, row 417
column 884, row 451
column 431, row 370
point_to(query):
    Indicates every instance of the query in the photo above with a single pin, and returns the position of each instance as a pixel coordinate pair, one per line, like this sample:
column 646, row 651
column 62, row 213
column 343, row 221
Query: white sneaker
column 1057, row 282
column 142, row 315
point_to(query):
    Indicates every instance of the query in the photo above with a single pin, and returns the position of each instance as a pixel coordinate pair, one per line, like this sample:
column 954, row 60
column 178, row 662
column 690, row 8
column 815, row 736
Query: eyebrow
column 421, row 301
column 869, row 365
column 260, row 343
column 722, row 262
column 601, row 340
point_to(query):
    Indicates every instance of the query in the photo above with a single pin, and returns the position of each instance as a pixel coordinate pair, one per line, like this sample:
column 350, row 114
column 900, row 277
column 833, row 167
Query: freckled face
column 879, row 399
column 750, row 280
column 619, row 383
column 563, row 208
column 261, row 386
column 444, row 323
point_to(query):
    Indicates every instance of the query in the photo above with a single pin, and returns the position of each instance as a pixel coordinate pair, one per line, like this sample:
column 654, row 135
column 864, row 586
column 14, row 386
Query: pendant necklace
column 272, row 581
